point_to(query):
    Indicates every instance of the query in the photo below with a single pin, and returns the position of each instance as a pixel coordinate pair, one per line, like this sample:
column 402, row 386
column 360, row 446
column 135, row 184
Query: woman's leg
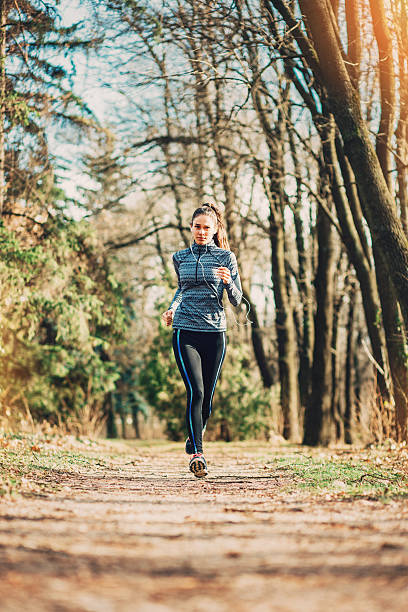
column 212, row 358
column 189, row 363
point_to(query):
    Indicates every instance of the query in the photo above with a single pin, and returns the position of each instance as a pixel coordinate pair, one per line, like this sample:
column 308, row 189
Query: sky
column 86, row 84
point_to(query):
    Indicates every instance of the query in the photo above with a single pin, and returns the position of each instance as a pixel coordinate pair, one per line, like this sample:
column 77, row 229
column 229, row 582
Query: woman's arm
column 169, row 314
column 178, row 295
column 231, row 280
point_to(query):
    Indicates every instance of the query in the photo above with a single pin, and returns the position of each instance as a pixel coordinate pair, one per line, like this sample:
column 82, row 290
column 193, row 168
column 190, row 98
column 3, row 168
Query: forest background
column 117, row 119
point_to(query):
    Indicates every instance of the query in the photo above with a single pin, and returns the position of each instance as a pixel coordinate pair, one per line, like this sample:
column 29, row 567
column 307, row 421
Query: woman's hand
column 167, row 317
column 223, row 273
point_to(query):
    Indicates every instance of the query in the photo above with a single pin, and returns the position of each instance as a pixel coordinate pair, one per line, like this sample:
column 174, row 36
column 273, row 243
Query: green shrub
column 62, row 310
column 242, row 408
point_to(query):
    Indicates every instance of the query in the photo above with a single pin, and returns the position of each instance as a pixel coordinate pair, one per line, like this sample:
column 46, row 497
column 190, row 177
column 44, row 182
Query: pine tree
column 34, row 94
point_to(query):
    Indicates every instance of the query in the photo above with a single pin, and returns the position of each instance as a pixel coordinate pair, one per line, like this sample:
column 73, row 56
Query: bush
column 242, row 408
column 62, row 311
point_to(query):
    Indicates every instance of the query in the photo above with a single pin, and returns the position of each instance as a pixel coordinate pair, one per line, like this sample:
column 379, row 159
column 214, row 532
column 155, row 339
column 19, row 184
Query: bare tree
column 323, row 57
column 242, row 108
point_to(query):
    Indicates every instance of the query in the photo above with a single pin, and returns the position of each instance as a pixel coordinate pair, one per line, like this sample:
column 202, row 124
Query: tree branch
column 110, row 245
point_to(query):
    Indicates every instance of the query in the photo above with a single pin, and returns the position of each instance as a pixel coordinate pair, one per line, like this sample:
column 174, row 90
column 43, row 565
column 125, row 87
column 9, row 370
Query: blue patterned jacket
column 197, row 304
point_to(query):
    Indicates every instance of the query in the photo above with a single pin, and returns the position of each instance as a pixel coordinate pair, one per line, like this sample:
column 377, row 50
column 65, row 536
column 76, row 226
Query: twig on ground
column 377, row 477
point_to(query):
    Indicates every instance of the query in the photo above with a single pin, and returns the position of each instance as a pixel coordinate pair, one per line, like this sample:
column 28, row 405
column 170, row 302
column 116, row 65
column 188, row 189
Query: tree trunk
column 336, row 373
column 225, row 433
column 258, row 344
column 350, row 349
column 396, row 346
column 402, row 132
column 318, row 426
column 379, row 210
column 135, row 422
column 387, row 87
column 396, row 342
column 3, row 16
column 285, row 325
column 305, row 288
column 286, row 334
column 361, row 263
column 353, row 17
column 108, row 410
column 306, row 346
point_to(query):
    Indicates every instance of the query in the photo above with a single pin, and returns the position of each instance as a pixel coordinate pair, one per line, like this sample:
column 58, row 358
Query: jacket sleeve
column 178, row 295
column 233, row 288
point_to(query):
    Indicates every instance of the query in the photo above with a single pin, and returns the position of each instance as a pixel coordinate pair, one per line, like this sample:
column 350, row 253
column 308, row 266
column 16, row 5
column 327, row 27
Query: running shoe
column 189, row 447
column 198, row 465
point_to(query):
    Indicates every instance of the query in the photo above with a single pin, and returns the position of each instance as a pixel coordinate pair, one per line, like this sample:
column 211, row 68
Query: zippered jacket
column 197, row 304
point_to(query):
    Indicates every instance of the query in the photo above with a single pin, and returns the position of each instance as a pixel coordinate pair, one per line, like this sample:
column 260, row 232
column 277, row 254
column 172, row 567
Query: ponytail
column 220, row 237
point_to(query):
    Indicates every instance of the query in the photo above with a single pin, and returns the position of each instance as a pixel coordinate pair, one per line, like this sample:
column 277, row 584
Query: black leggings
column 199, row 357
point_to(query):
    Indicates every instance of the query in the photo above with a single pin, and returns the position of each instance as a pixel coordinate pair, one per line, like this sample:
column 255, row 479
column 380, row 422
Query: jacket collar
column 202, row 248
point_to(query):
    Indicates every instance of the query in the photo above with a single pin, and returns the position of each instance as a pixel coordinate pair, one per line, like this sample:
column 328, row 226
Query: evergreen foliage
column 63, row 311
column 36, row 93
column 62, row 315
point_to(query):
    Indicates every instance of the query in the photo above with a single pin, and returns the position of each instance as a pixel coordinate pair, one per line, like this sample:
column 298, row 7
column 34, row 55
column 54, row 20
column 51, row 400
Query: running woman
column 199, row 324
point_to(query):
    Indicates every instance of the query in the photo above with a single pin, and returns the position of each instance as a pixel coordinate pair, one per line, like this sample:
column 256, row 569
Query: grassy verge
column 376, row 473
column 30, row 464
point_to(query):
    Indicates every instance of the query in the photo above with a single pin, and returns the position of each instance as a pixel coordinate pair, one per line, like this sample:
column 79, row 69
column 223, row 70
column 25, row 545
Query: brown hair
column 220, row 237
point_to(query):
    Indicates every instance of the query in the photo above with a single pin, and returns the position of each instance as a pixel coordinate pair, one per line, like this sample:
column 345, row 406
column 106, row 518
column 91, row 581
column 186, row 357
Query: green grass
column 371, row 475
column 26, row 459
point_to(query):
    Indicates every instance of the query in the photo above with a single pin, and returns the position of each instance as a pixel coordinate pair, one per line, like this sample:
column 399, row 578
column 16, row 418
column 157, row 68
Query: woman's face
column 203, row 229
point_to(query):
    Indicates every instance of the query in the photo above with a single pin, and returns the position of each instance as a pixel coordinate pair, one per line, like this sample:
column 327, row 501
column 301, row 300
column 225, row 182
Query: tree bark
column 402, row 131
column 350, row 350
column 396, row 347
column 286, row 334
column 109, row 412
column 258, row 344
column 361, row 264
column 336, row 371
column 318, row 426
column 353, row 17
column 305, row 288
column 3, row 16
column 378, row 206
column 387, row 87
column 285, row 325
column 135, row 422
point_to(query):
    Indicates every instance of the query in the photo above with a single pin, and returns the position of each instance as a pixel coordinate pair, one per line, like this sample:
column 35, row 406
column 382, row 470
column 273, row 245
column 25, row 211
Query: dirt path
column 144, row 535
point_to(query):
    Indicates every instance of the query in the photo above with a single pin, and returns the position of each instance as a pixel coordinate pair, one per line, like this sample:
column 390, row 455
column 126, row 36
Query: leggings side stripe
column 189, row 384
column 218, row 371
